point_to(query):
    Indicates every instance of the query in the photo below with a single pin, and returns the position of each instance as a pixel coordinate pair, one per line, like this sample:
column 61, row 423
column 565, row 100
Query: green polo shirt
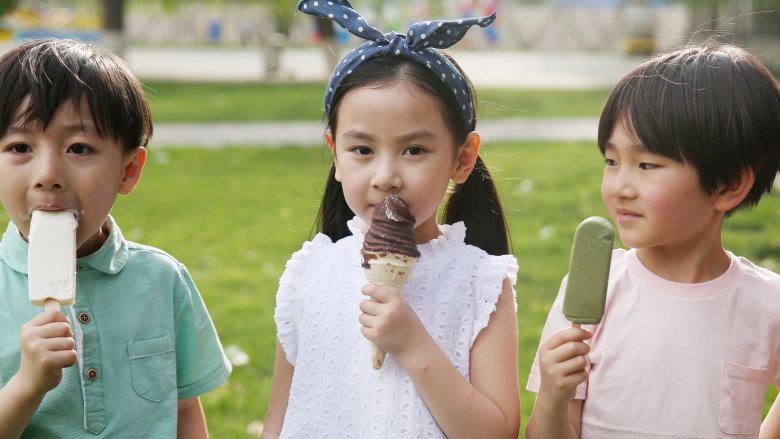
column 143, row 337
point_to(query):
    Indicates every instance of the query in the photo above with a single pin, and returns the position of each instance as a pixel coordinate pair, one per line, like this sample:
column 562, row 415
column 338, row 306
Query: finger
column 31, row 334
column 60, row 359
column 59, row 344
column 365, row 320
column 54, row 330
column 573, row 365
column 574, row 379
column 567, row 335
column 48, row 316
column 378, row 293
column 370, row 307
column 568, row 351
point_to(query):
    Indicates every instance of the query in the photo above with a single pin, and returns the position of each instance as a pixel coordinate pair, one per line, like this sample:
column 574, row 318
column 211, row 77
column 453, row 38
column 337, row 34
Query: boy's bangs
column 45, row 76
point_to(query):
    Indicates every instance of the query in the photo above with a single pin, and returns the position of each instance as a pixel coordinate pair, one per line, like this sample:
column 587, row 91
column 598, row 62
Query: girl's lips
column 625, row 214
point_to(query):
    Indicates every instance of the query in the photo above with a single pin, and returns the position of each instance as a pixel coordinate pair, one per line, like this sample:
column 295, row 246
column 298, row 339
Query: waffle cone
column 390, row 270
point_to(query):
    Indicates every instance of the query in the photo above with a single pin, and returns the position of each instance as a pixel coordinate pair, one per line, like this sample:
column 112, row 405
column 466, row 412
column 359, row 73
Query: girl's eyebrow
column 414, row 135
column 417, row 135
column 356, row 134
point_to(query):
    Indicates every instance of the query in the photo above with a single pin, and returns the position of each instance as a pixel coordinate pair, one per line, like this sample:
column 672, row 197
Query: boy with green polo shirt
column 130, row 358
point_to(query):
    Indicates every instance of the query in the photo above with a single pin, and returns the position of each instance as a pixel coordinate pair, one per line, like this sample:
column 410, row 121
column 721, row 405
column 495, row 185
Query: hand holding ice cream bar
column 389, row 251
column 586, row 288
column 51, row 259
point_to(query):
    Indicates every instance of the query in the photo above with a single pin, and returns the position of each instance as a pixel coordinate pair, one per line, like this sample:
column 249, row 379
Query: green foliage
column 235, row 215
column 7, row 6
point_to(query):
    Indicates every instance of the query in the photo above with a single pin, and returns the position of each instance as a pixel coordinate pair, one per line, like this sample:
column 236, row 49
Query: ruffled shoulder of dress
column 452, row 236
column 284, row 314
column 490, row 284
column 300, row 259
column 357, row 226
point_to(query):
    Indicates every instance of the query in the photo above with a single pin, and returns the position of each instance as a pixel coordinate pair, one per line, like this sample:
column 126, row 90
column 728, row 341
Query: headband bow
column 419, row 44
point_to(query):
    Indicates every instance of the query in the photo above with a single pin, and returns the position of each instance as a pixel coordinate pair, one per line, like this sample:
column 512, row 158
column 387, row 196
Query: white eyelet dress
column 335, row 392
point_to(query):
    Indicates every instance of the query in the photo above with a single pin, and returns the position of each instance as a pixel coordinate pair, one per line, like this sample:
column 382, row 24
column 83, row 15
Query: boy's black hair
column 475, row 202
column 44, row 74
column 715, row 106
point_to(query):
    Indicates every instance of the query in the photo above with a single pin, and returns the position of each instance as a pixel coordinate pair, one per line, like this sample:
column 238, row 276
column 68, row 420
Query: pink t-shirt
column 672, row 360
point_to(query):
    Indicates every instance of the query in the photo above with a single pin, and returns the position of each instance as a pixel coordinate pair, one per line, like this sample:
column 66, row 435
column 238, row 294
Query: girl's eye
column 361, row 150
column 414, row 150
column 647, row 166
column 78, row 148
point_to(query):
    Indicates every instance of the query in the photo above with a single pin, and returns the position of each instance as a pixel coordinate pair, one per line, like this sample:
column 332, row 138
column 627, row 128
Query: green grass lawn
column 231, row 102
column 234, row 216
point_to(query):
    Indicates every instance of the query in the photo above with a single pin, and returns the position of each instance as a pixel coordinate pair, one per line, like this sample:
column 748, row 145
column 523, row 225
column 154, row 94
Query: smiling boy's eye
column 610, row 162
column 647, row 166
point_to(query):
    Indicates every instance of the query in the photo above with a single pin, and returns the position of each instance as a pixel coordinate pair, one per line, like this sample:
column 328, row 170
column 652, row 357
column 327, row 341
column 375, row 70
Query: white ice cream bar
column 51, row 259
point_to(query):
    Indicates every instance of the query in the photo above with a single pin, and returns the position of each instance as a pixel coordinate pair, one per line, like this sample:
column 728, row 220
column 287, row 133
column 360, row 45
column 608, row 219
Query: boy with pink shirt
column 690, row 339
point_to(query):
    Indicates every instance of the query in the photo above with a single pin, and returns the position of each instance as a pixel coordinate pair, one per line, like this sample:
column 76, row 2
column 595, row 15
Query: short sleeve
column 284, row 314
column 201, row 364
column 490, row 284
column 555, row 322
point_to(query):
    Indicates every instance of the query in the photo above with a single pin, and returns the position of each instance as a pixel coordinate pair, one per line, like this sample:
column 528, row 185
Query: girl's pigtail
column 334, row 211
column 476, row 203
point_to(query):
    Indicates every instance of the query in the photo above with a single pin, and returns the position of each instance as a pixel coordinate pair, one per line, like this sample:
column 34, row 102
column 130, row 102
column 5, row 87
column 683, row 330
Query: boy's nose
column 386, row 176
column 48, row 172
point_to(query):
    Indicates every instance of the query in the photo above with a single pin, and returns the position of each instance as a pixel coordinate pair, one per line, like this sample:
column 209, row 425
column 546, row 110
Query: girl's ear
column 729, row 196
column 332, row 145
column 467, row 157
column 133, row 165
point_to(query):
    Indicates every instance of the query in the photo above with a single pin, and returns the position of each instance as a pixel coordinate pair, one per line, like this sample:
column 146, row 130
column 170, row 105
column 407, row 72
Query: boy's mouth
column 54, row 208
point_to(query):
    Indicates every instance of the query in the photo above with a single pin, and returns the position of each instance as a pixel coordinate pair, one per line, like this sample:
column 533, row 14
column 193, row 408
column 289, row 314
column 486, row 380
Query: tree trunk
column 113, row 26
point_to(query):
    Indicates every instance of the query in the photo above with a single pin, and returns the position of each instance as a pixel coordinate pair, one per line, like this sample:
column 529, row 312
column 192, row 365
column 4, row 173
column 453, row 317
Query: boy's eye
column 414, row 150
column 610, row 162
column 20, row 148
column 647, row 166
column 78, row 148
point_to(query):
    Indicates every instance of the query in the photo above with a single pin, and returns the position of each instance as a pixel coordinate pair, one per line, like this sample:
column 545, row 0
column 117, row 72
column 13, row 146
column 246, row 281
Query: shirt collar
column 109, row 259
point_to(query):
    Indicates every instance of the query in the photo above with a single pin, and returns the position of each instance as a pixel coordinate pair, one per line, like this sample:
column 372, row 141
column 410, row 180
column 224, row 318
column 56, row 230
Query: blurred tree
column 748, row 23
column 113, row 25
column 6, row 6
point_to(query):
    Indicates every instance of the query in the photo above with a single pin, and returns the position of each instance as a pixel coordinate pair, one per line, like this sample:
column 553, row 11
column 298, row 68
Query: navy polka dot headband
column 419, row 44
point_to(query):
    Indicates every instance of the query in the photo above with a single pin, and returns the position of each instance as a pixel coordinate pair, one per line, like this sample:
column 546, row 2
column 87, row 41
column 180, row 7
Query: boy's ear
column 332, row 145
column 467, row 157
column 133, row 165
column 729, row 196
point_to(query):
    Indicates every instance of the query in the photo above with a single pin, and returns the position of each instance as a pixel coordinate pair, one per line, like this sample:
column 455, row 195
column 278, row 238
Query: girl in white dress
column 400, row 121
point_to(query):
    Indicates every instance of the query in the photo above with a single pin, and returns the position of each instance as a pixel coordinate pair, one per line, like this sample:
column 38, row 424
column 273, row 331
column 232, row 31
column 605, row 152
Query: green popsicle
column 591, row 254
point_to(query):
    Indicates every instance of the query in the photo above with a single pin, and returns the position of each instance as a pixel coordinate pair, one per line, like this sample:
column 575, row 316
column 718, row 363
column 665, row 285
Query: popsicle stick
column 51, row 304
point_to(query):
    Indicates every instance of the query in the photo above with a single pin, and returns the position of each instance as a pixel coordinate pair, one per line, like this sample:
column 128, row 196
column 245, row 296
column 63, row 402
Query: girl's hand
column 47, row 346
column 563, row 364
column 388, row 321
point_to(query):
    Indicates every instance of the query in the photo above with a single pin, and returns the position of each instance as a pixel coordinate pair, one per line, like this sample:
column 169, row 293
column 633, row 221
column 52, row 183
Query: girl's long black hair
column 475, row 201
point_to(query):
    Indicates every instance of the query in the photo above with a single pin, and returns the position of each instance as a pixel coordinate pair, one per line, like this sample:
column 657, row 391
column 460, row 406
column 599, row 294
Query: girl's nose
column 386, row 176
column 621, row 184
column 48, row 172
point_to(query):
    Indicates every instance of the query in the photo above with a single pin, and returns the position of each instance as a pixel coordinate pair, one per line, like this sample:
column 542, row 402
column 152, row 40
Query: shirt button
column 84, row 318
column 92, row 374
